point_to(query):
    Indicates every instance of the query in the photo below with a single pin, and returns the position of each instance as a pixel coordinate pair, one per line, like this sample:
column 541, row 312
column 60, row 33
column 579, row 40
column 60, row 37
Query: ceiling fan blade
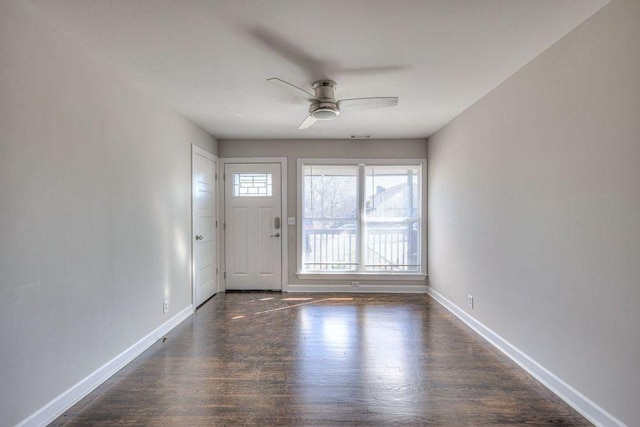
column 299, row 92
column 312, row 67
column 384, row 69
column 367, row 103
column 306, row 123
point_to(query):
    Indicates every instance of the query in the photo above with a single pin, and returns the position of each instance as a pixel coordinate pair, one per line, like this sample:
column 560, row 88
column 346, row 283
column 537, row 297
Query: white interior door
column 253, row 226
column 205, row 236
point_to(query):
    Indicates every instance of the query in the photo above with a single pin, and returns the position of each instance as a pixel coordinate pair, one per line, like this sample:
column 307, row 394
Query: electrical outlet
column 355, row 284
column 470, row 301
column 165, row 306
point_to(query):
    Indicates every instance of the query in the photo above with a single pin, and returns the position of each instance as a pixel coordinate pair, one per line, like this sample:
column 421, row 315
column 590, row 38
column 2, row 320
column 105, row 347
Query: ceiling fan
column 324, row 105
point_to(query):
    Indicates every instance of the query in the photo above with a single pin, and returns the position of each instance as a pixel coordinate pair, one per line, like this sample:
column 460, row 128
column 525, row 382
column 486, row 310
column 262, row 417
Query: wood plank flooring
column 321, row 360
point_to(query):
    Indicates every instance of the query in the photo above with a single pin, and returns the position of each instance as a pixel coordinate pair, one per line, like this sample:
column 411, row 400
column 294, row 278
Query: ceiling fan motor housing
column 326, row 107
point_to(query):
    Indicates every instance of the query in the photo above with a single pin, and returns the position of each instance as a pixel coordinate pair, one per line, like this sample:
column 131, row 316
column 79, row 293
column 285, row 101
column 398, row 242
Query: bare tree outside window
column 330, row 211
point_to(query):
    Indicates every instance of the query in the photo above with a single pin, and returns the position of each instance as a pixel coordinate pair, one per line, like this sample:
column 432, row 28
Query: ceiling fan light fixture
column 325, row 114
column 324, row 111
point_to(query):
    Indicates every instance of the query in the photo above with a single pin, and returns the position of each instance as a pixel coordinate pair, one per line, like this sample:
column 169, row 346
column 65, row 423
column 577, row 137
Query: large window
column 360, row 218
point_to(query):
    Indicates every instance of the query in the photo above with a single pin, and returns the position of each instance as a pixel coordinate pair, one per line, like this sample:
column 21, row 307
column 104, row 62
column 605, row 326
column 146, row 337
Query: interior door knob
column 275, row 235
column 199, row 237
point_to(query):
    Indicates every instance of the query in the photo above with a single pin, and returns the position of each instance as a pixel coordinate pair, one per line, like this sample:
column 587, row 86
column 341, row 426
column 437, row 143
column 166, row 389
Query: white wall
column 326, row 149
column 94, row 213
column 534, row 208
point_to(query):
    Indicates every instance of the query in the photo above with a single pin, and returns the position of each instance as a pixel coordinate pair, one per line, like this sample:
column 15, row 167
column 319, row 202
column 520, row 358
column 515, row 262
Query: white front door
column 205, row 236
column 253, row 226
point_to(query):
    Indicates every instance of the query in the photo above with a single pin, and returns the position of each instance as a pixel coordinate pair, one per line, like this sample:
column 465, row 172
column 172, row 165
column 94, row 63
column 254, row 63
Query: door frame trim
column 206, row 154
column 284, row 256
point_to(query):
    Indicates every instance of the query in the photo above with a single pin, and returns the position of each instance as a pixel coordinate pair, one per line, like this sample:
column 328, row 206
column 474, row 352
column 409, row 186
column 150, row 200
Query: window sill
column 361, row 276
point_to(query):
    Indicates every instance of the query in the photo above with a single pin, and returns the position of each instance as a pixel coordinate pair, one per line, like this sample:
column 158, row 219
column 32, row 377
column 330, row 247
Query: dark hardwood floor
column 321, row 359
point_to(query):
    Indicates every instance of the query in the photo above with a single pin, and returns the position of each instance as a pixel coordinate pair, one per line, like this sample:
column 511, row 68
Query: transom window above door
column 360, row 217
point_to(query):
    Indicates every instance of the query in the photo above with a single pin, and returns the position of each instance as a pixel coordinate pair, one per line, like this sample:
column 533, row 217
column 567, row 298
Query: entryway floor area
column 321, row 360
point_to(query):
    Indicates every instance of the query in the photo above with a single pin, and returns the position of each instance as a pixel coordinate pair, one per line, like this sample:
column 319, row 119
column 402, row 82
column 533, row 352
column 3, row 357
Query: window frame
column 362, row 163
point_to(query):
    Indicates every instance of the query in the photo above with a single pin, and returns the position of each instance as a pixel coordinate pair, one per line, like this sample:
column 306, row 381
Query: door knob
column 275, row 235
column 198, row 237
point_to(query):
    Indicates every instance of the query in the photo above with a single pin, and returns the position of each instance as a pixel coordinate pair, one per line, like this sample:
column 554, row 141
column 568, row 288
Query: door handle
column 199, row 237
column 275, row 235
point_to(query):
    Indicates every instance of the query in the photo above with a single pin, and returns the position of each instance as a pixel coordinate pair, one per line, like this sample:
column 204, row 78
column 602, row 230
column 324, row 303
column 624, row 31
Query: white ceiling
column 209, row 60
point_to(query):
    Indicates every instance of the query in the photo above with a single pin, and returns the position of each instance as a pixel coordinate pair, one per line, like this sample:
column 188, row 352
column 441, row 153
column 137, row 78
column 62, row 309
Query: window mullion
column 362, row 197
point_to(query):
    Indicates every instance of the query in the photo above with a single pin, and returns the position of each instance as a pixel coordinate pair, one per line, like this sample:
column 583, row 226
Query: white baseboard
column 66, row 400
column 586, row 407
column 386, row 289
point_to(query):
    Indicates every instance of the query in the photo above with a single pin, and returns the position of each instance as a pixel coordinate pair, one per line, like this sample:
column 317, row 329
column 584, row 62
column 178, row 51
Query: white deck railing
column 391, row 248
